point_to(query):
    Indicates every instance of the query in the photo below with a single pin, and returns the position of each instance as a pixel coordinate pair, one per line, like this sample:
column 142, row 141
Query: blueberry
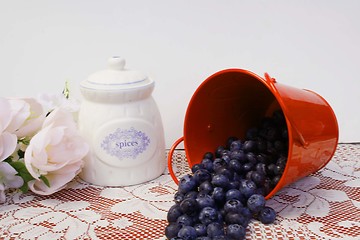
column 248, row 175
column 237, row 177
column 251, row 158
column 220, row 217
column 262, row 158
column 247, row 188
column 196, row 167
column 225, row 171
column 275, row 180
column 246, row 212
column 278, row 169
column 220, row 180
column 270, row 148
column 233, row 205
column 235, row 165
column 215, row 229
column 189, row 206
column 233, row 185
column 234, row 194
column 187, row 233
column 208, row 164
column 270, row 169
column 209, row 155
column 226, row 152
column 226, row 158
column 187, row 183
column 218, row 195
column 267, row 215
column 236, row 145
column 205, row 200
column 267, row 186
column 185, row 220
column 284, row 133
column 229, row 141
column 172, row 230
column 255, row 203
column 202, row 175
column 260, row 191
column 208, row 215
column 281, row 161
column 261, row 145
column 261, row 168
column 203, row 238
column 249, row 146
column 258, row 178
column 272, row 134
column 206, row 187
column 200, row 229
column 238, row 155
column 219, row 163
column 247, row 167
column 191, row 194
column 235, row 231
column 218, row 151
column 235, row 217
column 178, row 197
column 173, row 213
column 220, row 237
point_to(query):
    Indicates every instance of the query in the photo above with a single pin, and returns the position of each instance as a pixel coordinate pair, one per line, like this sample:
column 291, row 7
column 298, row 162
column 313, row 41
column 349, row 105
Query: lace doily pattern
column 324, row 205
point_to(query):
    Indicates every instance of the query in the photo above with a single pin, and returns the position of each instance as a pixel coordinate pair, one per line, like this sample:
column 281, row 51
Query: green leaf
column 45, row 180
column 9, row 159
column 24, row 188
column 21, row 153
column 20, row 167
column 24, row 140
column 22, row 171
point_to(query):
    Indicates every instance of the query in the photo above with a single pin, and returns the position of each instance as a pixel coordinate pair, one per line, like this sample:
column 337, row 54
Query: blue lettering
column 125, row 143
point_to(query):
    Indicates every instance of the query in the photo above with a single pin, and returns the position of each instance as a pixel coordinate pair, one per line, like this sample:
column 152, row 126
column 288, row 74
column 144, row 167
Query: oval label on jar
column 125, row 143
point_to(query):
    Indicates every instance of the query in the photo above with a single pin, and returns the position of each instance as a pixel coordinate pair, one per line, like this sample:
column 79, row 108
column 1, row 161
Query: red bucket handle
column 271, row 83
column 170, row 155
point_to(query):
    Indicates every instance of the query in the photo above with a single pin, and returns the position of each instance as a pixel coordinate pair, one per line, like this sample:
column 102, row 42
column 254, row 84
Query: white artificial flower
column 8, row 140
column 53, row 101
column 56, row 152
column 8, row 179
column 27, row 117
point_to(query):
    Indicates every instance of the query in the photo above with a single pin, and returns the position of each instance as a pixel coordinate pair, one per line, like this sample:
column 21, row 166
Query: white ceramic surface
column 122, row 124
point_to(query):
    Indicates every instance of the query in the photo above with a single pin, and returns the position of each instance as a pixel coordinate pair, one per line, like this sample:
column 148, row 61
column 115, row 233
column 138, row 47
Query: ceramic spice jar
column 122, row 124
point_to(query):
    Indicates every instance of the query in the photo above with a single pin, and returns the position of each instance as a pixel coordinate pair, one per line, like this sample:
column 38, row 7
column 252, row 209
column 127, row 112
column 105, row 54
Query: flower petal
column 8, row 143
column 5, row 114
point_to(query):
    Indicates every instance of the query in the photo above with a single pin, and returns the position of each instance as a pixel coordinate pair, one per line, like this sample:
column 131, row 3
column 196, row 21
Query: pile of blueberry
column 227, row 188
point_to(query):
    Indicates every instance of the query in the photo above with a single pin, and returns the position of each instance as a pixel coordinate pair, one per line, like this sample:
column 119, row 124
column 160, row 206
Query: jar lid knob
column 116, row 63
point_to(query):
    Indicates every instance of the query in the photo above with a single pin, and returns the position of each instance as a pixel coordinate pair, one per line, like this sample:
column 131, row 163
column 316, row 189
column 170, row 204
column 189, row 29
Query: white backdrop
column 305, row 44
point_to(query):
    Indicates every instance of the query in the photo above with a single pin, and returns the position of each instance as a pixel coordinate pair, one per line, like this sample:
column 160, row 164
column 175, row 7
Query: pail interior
column 226, row 104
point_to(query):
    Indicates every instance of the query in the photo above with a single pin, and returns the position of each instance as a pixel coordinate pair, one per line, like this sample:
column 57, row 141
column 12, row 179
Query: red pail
column 233, row 100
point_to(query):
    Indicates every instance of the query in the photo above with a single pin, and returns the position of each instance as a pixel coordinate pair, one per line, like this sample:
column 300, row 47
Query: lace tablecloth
column 324, row 205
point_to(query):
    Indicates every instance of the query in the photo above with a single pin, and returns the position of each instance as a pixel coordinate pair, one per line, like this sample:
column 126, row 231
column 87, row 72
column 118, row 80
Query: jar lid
column 116, row 77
